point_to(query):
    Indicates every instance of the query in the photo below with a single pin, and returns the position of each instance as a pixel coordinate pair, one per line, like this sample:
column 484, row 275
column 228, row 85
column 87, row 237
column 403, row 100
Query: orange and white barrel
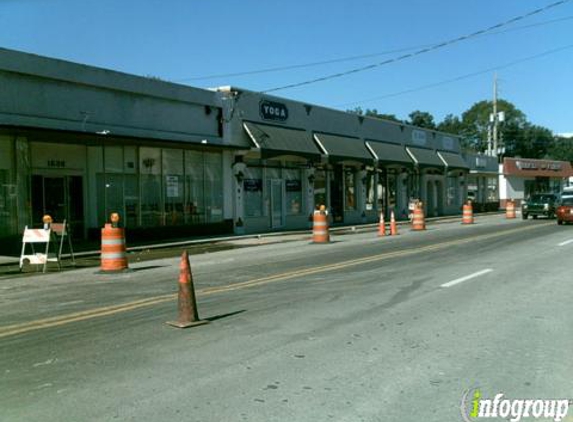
column 510, row 209
column 113, row 253
column 418, row 221
column 467, row 214
column 320, row 227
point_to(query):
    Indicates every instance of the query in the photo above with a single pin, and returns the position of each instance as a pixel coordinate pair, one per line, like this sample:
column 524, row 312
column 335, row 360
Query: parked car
column 567, row 193
column 539, row 204
column 565, row 210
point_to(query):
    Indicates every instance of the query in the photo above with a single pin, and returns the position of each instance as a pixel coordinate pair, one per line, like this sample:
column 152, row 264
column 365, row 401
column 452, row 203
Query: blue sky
column 183, row 40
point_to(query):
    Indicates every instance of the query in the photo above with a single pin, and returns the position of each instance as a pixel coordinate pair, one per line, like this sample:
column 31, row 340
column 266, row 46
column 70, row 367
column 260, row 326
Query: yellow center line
column 56, row 321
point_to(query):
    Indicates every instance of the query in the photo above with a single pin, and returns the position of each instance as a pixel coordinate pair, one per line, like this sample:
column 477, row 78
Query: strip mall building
column 79, row 142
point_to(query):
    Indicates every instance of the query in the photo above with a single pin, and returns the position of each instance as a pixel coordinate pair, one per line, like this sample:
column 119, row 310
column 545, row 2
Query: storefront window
column 492, row 192
column 392, row 197
column 293, row 188
column 319, row 188
column 451, row 190
column 271, row 173
column 253, row 188
column 8, row 189
column 214, row 187
column 370, row 190
column 131, row 186
column 173, row 186
column 349, row 189
column 113, row 159
column 150, row 168
column 194, row 198
column 114, row 194
column 473, row 188
column 381, row 192
column 555, row 185
column 131, row 200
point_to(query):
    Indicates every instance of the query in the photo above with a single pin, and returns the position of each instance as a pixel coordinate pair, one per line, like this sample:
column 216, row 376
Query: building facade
column 521, row 177
column 298, row 156
column 483, row 182
column 79, row 142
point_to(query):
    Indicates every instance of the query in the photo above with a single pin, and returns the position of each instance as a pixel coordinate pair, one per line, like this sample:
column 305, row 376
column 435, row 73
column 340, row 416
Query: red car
column 565, row 211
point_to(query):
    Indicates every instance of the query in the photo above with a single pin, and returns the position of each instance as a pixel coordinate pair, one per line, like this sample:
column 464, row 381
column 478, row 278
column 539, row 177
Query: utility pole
column 495, row 116
column 494, row 119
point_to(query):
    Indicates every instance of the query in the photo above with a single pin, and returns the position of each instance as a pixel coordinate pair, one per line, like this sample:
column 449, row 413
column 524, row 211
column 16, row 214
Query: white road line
column 466, row 278
column 566, row 242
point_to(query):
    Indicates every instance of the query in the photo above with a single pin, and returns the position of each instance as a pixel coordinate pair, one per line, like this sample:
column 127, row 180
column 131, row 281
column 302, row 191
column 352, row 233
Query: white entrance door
column 277, row 204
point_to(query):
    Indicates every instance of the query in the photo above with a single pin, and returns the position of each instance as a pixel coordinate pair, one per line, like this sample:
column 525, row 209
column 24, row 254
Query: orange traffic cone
column 382, row 225
column 187, row 304
column 393, row 227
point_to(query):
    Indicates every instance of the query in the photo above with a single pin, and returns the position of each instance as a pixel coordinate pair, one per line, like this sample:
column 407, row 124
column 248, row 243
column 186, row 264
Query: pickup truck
column 539, row 204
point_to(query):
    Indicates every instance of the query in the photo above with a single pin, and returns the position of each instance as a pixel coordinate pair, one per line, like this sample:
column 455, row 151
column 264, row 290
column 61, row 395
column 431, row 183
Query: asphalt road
column 362, row 329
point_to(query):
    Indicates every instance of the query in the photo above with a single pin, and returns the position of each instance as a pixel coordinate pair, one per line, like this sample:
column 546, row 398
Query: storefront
column 356, row 166
column 482, row 182
column 95, row 141
column 78, row 143
column 521, row 177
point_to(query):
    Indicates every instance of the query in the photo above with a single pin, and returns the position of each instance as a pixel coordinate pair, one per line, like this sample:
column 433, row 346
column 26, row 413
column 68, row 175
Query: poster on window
column 172, row 186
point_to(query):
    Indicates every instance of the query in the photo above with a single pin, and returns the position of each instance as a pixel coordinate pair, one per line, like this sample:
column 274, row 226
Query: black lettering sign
column 293, row 185
column 270, row 110
column 252, row 185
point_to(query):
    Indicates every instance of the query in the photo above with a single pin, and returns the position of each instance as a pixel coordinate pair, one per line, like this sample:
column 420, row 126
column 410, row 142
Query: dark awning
column 425, row 157
column 341, row 148
column 274, row 141
column 390, row 153
column 454, row 161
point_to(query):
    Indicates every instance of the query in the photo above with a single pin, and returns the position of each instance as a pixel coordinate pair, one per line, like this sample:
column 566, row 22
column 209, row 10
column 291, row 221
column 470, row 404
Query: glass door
column 276, row 204
column 61, row 197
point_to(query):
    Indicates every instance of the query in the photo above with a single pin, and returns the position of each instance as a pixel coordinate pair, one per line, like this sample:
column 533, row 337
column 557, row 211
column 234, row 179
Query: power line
column 457, row 78
column 352, row 58
column 419, row 52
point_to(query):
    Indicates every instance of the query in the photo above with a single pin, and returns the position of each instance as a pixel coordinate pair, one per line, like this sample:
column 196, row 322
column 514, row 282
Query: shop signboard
column 533, row 165
column 253, row 185
column 272, row 110
column 293, row 185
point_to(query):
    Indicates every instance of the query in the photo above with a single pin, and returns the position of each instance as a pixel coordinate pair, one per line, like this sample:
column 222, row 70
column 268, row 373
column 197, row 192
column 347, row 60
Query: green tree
column 529, row 141
column 476, row 123
column 451, row 124
column 374, row 113
column 561, row 149
column 422, row 119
